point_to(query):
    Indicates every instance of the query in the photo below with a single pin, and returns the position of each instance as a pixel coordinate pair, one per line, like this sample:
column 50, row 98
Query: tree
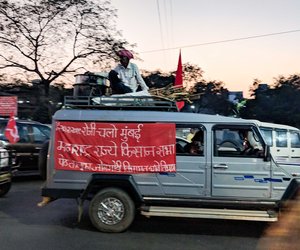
column 213, row 98
column 158, row 79
column 51, row 38
column 192, row 74
column 279, row 103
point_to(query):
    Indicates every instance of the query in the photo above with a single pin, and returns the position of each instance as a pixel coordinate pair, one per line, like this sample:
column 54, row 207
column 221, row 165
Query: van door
column 238, row 168
column 191, row 164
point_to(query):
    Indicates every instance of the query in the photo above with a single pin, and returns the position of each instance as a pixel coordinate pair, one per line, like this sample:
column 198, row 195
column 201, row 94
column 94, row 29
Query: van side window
column 189, row 140
column 237, row 142
column 295, row 139
column 267, row 135
column 281, row 138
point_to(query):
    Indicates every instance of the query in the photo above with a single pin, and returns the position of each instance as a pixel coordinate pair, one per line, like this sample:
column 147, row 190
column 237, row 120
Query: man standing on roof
column 126, row 77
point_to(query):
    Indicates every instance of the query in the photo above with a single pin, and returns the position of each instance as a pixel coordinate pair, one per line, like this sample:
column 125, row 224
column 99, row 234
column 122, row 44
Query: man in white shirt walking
column 126, row 77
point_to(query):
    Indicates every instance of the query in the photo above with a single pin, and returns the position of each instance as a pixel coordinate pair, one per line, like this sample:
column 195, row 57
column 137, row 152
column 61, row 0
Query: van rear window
column 295, row 139
column 281, row 138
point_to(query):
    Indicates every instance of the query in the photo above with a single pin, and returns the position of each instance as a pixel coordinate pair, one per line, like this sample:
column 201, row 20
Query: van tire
column 4, row 188
column 42, row 163
column 111, row 210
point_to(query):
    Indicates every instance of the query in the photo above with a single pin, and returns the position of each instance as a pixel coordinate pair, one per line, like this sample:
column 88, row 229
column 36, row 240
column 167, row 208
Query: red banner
column 8, row 105
column 115, row 147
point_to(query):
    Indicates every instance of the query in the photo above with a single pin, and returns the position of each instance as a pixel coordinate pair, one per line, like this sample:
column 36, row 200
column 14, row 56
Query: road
column 23, row 225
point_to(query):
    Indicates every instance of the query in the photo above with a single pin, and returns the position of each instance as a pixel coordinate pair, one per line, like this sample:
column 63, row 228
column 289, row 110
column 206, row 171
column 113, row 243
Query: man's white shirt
column 131, row 76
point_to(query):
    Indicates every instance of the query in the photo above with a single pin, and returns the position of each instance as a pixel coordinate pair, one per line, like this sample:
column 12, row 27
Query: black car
column 7, row 167
column 32, row 135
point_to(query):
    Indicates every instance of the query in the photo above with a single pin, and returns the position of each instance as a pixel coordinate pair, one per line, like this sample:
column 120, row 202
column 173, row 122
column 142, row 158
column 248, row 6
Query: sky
column 160, row 28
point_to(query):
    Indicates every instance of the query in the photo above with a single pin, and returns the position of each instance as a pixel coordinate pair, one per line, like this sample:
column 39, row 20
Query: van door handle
column 221, row 166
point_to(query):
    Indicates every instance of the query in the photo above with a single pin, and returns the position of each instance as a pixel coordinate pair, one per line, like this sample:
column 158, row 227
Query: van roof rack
column 120, row 103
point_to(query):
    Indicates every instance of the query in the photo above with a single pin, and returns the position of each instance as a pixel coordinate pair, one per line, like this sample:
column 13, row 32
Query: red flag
column 179, row 80
column 11, row 131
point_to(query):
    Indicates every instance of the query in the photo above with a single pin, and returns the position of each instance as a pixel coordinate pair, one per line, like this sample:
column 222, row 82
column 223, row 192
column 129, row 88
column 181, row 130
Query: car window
column 295, row 139
column 189, row 140
column 40, row 133
column 45, row 129
column 281, row 138
column 236, row 142
column 23, row 133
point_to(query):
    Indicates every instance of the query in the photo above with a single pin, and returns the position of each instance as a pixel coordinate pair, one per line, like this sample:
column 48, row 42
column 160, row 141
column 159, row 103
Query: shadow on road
column 164, row 225
column 26, row 176
column 199, row 226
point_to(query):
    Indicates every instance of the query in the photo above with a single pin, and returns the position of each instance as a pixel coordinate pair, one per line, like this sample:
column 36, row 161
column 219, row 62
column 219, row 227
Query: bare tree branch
column 51, row 38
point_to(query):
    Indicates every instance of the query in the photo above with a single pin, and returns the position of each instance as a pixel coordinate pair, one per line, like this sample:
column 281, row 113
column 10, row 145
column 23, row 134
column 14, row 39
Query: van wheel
column 42, row 163
column 4, row 188
column 112, row 210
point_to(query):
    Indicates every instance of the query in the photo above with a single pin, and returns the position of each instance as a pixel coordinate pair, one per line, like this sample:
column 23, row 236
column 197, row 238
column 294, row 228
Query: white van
column 133, row 159
column 284, row 142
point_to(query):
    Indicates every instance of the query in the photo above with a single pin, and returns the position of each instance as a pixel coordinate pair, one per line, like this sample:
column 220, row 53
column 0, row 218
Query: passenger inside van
column 237, row 142
column 251, row 145
column 196, row 145
column 190, row 136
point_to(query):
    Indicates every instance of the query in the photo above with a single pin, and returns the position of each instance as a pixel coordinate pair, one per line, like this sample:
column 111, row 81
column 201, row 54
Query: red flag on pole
column 179, row 80
column 11, row 131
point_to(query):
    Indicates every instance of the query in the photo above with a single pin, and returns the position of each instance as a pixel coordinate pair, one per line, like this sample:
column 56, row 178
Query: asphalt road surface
column 23, row 225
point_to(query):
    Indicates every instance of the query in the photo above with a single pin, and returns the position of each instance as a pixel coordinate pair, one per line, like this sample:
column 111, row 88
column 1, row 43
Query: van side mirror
column 267, row 153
